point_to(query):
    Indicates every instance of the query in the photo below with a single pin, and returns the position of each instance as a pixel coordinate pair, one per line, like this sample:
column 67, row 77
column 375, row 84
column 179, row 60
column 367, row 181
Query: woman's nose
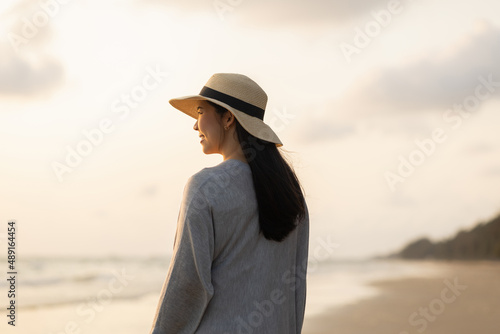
column 195, row 126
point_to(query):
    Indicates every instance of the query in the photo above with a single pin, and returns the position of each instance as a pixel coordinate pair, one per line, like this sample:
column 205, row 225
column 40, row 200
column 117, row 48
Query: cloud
column 26, row 68
column 316, row 131
column 291, row 13
column 435, row 82
column 150, row 191
column 480, row 148
column 493, row 171
column 299, row 12
column 20, row 76
column 432, row 83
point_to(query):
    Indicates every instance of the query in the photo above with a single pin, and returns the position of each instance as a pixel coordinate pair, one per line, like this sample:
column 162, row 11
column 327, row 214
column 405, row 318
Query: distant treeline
column 480, row 243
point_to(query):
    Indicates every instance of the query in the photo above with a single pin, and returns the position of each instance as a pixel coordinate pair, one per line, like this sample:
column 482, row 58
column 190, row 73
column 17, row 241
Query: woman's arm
column 302, row 257
column 188, row 289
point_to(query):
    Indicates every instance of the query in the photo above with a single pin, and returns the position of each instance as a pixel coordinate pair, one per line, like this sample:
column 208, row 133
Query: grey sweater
column 225, row 277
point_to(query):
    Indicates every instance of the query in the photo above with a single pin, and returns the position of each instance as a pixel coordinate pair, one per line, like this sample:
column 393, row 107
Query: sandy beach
column 466, row 299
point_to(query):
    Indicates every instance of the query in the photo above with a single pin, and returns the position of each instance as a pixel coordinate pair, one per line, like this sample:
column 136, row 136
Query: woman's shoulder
column 217, row 177
column 203, row 175
column 220, row 172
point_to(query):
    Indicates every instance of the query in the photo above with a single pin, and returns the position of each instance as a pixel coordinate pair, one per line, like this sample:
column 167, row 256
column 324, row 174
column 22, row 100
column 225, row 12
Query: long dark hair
column 280, row 198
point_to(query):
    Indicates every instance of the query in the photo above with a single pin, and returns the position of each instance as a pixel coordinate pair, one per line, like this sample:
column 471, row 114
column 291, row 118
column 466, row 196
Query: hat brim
column 254, row 125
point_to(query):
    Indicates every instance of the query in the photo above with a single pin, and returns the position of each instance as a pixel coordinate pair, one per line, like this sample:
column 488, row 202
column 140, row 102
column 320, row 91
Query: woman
column 240, row 252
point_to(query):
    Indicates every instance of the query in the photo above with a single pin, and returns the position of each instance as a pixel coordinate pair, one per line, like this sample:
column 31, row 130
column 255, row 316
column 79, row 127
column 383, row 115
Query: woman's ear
column 230, row 118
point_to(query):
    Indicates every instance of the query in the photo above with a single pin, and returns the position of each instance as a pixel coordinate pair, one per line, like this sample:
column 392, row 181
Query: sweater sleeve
column 302, row 257
column 188, row 288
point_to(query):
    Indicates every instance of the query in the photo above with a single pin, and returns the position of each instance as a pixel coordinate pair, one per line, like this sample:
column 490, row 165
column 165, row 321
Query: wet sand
column 466, row 299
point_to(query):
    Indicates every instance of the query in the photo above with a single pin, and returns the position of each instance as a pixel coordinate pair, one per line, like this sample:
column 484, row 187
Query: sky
column 388, row 111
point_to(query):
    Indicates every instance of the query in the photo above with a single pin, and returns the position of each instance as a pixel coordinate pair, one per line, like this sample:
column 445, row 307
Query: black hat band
column 234, row 102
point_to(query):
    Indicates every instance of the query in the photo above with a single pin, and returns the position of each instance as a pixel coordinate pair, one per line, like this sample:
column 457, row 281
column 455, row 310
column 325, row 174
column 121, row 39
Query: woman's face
column 208, row 127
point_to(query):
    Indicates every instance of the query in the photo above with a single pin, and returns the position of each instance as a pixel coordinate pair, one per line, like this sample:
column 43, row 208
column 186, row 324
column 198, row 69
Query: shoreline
column 463, row 298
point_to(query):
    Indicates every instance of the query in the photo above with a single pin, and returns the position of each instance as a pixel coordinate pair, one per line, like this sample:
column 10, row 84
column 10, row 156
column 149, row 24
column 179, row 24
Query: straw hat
column 238, row 94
